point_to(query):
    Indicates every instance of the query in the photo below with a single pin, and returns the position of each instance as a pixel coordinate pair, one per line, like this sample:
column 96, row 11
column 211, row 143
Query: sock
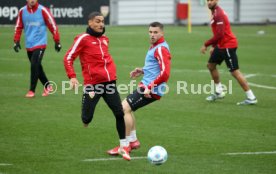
column 133, row 136
column 218, row 87
column 250, row 94
column 128, row 138
column 124, row 143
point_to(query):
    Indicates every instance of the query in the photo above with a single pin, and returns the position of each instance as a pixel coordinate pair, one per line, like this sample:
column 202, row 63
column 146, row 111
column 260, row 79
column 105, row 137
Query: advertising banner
column 70, row 12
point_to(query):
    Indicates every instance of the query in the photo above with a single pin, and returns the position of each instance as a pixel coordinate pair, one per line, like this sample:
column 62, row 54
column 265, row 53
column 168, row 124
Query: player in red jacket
column 99, row 74
column 224, row 45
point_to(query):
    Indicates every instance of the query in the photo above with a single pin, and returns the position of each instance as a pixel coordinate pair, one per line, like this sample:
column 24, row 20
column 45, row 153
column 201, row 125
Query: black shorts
column 137, row 99
column 227, row 54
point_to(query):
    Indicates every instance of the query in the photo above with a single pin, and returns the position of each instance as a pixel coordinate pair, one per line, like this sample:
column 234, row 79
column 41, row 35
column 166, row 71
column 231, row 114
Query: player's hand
column 16, row 46
column 203, row 49
column 57, row 47
column 136, row 72
column 147, row 93
column 74, row 83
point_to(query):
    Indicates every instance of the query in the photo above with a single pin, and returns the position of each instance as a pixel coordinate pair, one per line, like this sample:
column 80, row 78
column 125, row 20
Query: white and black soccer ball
column 157, row 155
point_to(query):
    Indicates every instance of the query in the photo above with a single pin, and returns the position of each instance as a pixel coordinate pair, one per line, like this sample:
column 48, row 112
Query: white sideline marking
column 5, row 164
column 250, row 75
column 112, row 159
column 257, row 85
column 261, row 86
column 251, row 153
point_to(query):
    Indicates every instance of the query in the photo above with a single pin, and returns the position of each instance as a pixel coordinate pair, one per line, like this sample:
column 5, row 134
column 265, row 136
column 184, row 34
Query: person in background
column 34, row 19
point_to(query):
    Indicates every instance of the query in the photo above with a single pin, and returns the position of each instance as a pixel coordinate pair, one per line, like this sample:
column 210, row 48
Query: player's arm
column 163, row 56
column 69, row 59
column 218, row 34
column 18, row 31
column 52, row 26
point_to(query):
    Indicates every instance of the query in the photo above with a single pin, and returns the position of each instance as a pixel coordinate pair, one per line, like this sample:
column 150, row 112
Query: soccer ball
column 157, row 155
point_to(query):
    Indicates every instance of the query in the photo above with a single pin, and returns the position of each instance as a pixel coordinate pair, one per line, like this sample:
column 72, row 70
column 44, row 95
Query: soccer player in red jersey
column 224, row 45
column 99, row 74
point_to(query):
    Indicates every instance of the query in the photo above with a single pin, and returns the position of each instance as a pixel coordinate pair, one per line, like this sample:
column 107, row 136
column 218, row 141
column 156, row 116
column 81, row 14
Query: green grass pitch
column 45, row 135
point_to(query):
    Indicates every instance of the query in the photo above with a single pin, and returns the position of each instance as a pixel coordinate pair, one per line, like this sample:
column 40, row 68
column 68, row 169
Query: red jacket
column 223, row 36
column 96, row 62
column 48, row 18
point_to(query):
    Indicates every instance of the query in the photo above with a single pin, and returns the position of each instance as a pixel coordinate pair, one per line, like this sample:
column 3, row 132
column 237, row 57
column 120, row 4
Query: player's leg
column 212, row 67
column 128, row 117
column 35, row 59
column 241, row 79
column 43, row 78
column 133, row 102
column 89, row 103
column 113, row 100
column 233, row 66
column 30, row 93
column 213, row 61
column 130, row 126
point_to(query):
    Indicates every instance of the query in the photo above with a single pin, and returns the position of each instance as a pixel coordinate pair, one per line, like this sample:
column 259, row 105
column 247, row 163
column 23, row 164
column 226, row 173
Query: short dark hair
column 156, row 24
column 93, row 15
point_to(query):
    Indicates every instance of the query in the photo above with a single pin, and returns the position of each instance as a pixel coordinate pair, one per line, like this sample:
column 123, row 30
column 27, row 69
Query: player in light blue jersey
column 34, row 19
column 152, row 87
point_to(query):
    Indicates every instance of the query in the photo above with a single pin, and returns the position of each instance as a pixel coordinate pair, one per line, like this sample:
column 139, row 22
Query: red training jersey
column 223, row 37
column 96, row 62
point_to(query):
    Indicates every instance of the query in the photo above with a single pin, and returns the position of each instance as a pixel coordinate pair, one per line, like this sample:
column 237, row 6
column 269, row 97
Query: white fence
column 140, row 12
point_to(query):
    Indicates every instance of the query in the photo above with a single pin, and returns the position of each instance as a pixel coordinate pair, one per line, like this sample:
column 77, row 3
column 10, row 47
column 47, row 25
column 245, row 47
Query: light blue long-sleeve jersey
column 152, row 69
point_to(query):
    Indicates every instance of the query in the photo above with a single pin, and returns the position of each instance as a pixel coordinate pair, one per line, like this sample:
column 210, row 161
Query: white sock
column 250, row 94
column 218, row 87
column 128, row 138
column 133, row 136
column 124, row 143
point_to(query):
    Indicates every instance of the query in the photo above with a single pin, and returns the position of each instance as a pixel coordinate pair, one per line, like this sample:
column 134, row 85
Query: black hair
column 157, row 24
column 93, row 15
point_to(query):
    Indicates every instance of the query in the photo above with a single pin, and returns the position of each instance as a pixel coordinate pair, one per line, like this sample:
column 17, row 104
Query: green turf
column 45, row 135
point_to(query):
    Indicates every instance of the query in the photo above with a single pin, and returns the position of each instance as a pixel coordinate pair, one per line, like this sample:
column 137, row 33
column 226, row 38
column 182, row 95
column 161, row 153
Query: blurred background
column 142, row 12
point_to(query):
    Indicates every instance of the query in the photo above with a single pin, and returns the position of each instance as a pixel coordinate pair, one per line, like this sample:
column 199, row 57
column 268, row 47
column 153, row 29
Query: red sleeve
column 18, row 27
column 219, row 31
column 51, row 24
column 72, row 54
column 163, row 56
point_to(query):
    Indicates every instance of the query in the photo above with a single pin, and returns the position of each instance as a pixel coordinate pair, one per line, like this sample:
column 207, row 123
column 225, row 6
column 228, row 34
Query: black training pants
column 111, row 97
column 37, row 72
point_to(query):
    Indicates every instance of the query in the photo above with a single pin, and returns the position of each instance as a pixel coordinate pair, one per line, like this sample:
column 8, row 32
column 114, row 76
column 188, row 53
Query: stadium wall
column 142, row 12
column 65, row 11
column 134, row 12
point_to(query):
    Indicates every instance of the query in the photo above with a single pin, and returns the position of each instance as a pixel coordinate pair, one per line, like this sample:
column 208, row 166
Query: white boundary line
column 251, row 153
column 261, row 86
column 250, row 75
column 257, row 85
column 5, row 164
column 112, row 159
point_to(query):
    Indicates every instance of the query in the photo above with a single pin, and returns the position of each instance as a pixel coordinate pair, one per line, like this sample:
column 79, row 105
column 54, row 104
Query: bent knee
column 211, row 66
column 126, row 106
